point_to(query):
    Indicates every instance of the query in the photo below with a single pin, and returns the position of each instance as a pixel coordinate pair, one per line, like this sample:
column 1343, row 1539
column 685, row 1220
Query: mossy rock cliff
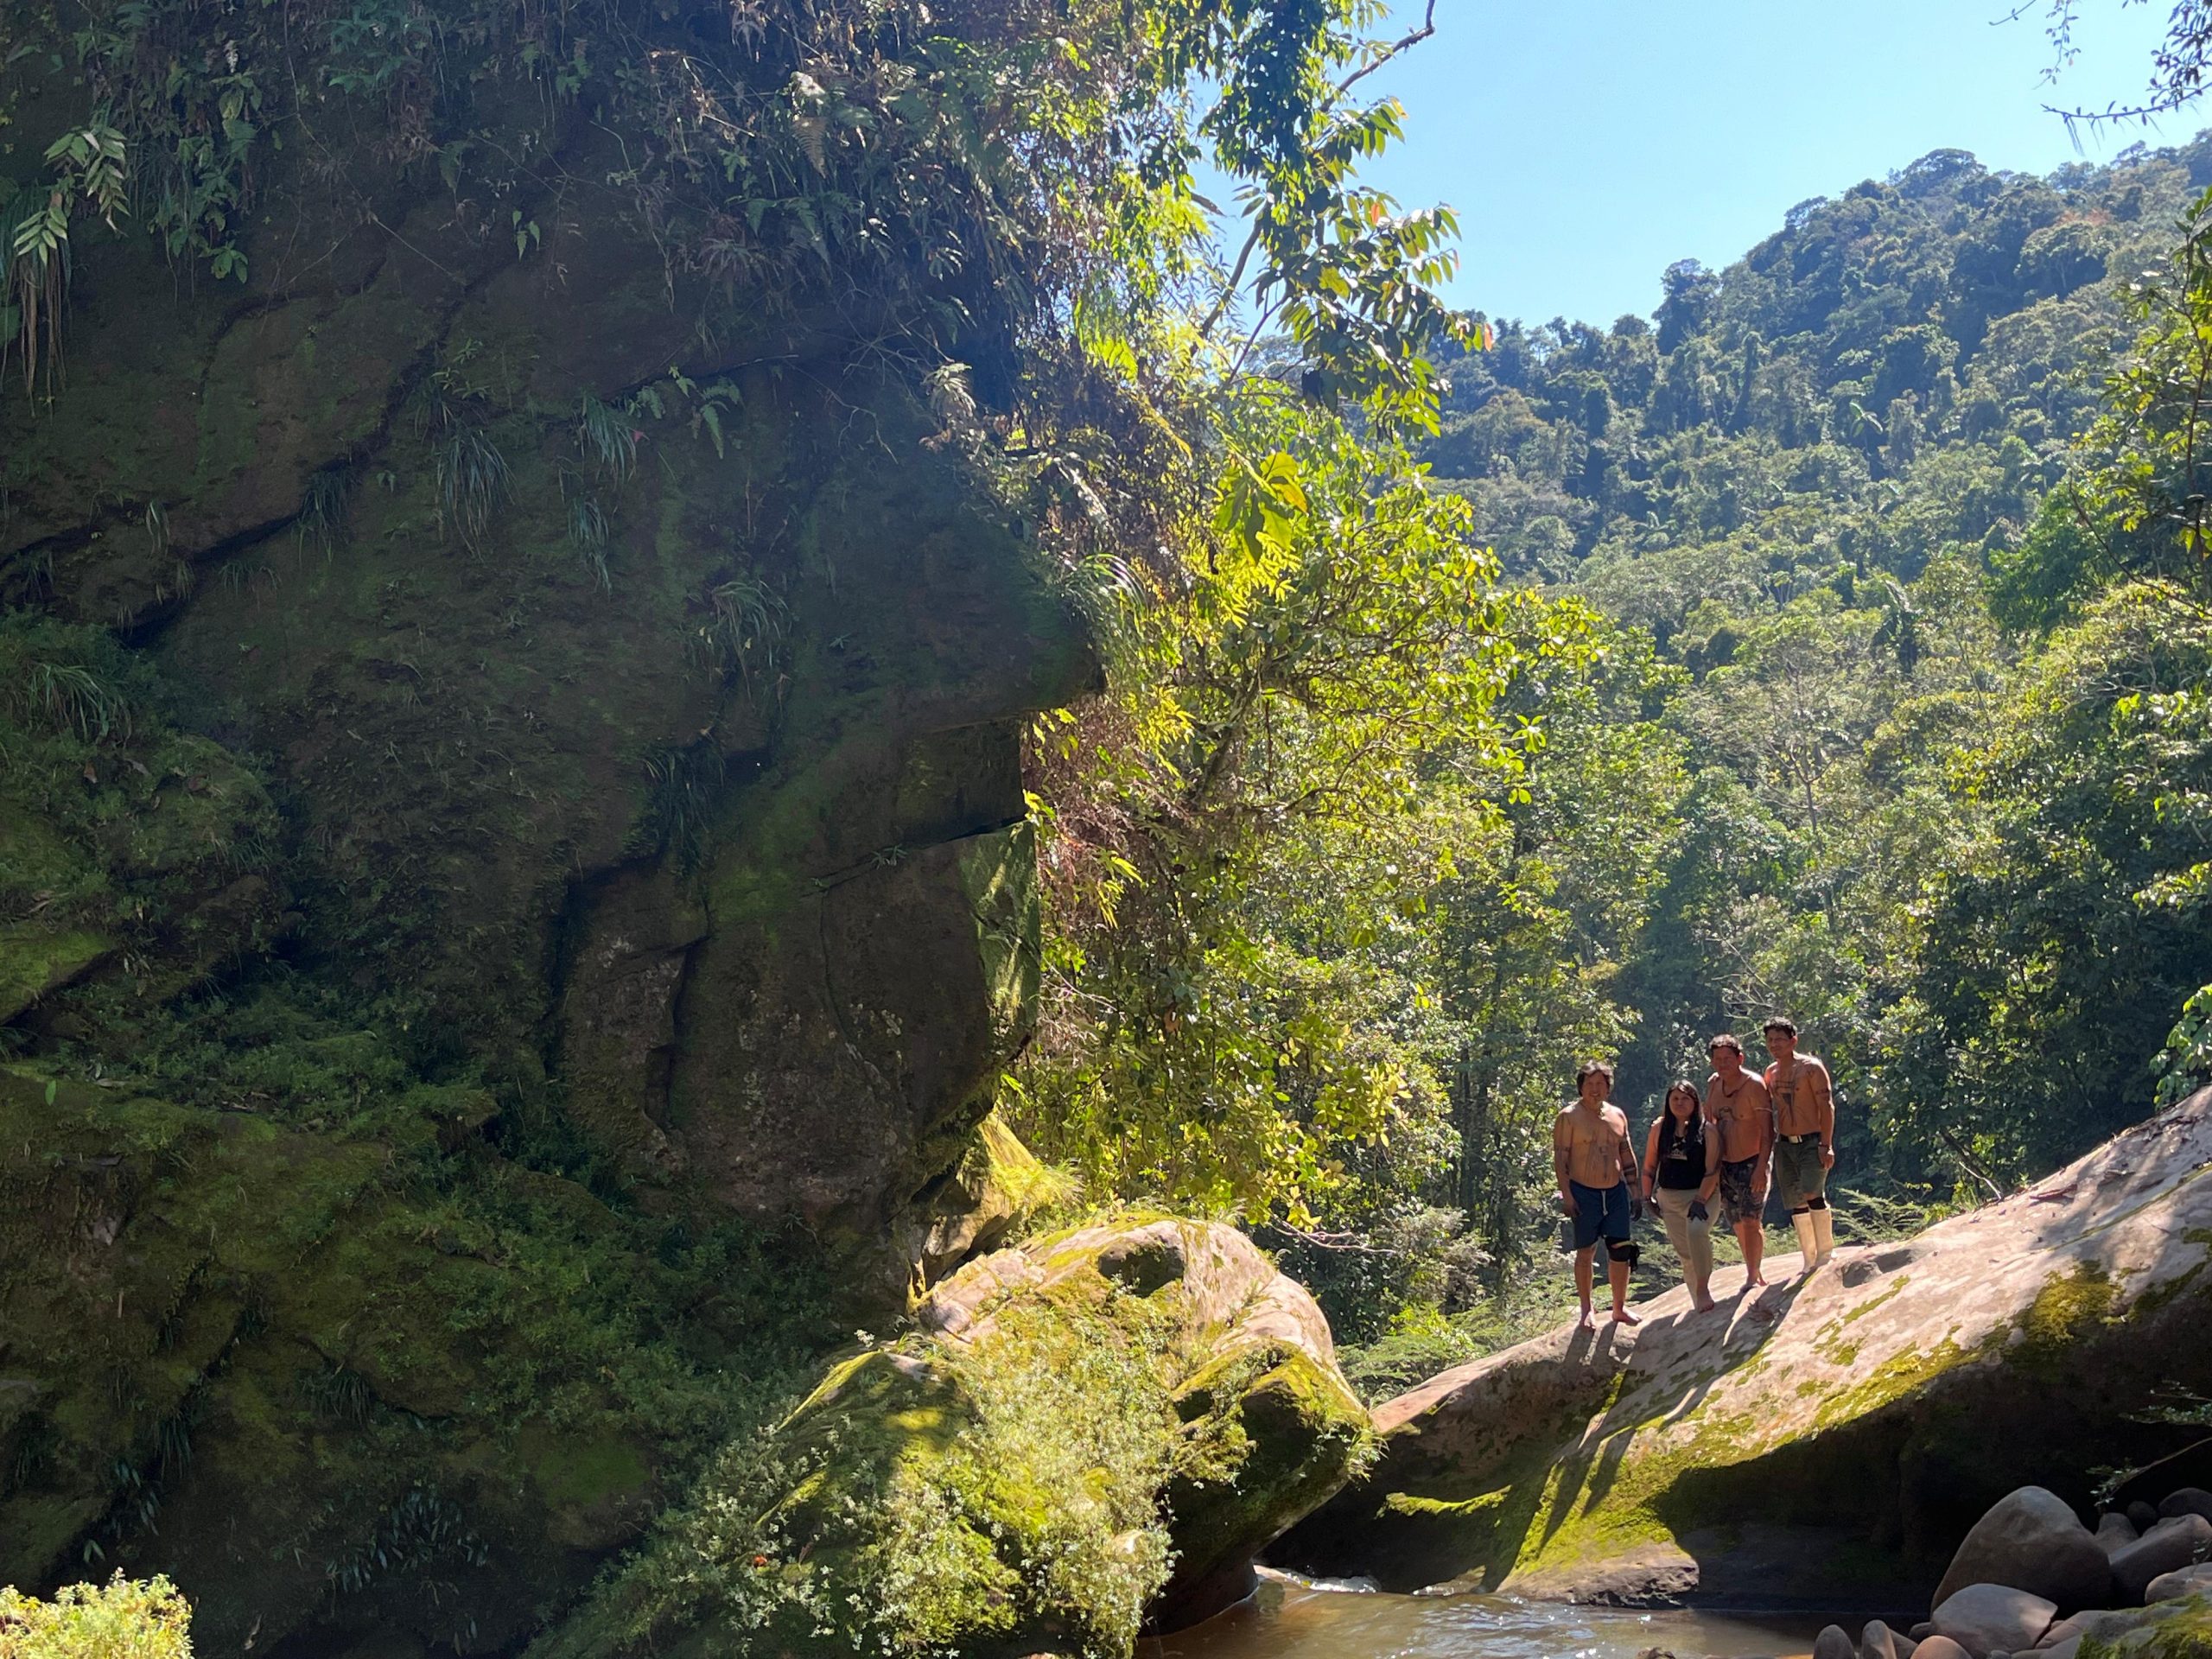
column 1096, row 1429
column 515, row 890
column 1831, row 1438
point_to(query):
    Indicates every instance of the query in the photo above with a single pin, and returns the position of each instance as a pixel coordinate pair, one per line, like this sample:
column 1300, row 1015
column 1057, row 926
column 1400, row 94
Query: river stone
column 1984, row 1618
column 2032, row 1540
column 2166, row 1548
column 2114, row 1531
column 2067, row 1649
column 1940, row 1647
column 2190, row 1500
column 1878, row 1640
column 2183, row 1581
column 2067, row 1630
column 2142, row 1516
column 1834, row 1643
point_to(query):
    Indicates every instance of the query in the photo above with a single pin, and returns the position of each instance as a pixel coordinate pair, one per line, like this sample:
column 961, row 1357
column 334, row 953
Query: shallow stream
column 1290, row 1620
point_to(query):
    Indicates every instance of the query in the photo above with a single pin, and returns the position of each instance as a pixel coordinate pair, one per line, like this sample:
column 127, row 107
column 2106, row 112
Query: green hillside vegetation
column 1859, row 632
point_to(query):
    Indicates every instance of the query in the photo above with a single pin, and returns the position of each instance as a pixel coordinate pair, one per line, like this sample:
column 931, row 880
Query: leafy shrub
column 124, row 1618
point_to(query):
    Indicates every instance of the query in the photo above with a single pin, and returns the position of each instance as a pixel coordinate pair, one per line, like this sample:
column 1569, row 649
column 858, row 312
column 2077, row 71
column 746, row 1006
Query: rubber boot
column 1809, row 1243
column 1824, row 1235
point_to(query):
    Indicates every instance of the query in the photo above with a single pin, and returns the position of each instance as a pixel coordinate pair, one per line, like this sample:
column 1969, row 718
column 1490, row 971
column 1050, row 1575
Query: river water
column 1290, row 1620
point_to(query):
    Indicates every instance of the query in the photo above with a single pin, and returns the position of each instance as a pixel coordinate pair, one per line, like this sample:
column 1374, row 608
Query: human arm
column 1627, row 1147
column 1710, row 1187
column 1821, row 1087
column 1652, row 1160
column 1762, row 1109
column 1560, row 1144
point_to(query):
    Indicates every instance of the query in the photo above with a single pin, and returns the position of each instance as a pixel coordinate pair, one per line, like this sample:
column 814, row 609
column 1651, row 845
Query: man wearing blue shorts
column 1595, row 1169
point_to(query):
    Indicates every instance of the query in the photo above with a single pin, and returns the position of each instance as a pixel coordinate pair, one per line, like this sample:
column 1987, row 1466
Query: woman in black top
column 1681, row 1171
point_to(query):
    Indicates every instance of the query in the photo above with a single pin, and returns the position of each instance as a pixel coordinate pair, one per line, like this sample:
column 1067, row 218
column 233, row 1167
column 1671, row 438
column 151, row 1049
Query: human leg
column 1589, row 1224
column 1620, row 1250
column 1750, row 1239
column 1692, row 1237
column 1740, row 1206
column 1802, row 1180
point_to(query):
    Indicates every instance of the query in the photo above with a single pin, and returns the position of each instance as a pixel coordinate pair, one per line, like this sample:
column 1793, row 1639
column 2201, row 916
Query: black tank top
column 1681, row 1156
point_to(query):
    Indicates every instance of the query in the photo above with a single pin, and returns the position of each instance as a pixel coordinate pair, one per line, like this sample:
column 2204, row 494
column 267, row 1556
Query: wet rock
column 1986, row 1619
column 2067, row 1630
column 2166, row 1548
column 1878, row 1640
column 1940, row 1647
column 2032, row 1540
column 2142, row 1516
column 2190, row 1500
column 1834, row 1643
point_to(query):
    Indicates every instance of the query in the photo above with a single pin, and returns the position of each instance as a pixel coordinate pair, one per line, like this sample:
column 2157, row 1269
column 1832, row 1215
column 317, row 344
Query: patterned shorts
column 1737, row 1204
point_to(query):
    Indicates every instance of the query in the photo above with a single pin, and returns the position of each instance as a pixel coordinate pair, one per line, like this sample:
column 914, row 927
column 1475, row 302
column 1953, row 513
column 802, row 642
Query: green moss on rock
column 1017, row 1477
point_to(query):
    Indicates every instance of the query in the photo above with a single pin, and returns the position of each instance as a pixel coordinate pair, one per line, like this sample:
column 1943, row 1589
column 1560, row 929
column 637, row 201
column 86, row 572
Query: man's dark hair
column 1787, row 1027
column 1727, row 1040
column 1590, row 1071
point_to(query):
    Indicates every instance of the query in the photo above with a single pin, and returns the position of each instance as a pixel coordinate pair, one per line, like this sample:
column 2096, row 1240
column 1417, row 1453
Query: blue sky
column 1589, row 144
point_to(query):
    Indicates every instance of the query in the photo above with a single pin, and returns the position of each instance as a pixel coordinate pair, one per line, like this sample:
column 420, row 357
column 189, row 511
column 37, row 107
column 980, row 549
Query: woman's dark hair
column 1681, row 1086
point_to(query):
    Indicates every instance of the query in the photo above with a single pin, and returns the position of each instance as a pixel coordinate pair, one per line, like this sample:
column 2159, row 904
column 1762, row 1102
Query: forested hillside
column 1839, row 704
column 1837, row 484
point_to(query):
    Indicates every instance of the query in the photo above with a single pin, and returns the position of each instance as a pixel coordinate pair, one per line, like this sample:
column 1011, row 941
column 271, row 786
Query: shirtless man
column 1735, row 1101
column 1595, row 1169
column 1804, row 1150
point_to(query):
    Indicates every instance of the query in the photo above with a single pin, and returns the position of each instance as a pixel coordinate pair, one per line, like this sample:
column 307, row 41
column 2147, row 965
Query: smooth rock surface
column 1863, row 1419
column 2114, row 1531
column 1984, row 1618
column 1878, row 1640
column 2167, row 1547
column 2190, row 1500
column 2184, row 1581
column 1940, row 1647
column 1834, row 1643
column 2032, row 1540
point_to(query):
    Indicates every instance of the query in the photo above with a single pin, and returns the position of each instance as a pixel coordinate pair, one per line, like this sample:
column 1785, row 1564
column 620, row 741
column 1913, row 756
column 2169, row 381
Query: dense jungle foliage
column 1480, row 697
column 1858, row 610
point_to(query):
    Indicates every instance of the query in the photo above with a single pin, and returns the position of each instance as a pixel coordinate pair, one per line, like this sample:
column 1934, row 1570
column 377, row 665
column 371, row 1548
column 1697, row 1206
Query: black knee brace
column 1800, row 1208
column 1816, row 1202
column 1624, row 1250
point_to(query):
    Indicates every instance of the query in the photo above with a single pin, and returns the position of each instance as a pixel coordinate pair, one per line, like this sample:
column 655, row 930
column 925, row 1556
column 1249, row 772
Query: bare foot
column 1705, row 1304
column 1588, row 1322
column 1755, row 1281
column 1622, row 1316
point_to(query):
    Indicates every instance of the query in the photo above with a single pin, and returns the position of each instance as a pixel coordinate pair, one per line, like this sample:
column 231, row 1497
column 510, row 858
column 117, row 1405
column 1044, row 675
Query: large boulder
column 1993, row 1619
column 2182, row 1581
column 2167, row 1547
column 1089, row 1433
column 2172, row 1629
column 2032, row 1540
column 1829, row 1438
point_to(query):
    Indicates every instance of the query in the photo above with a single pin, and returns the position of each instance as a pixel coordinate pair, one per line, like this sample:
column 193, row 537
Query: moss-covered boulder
column 1832, row 1438
column 2181, row 1629
column 1090, row 1431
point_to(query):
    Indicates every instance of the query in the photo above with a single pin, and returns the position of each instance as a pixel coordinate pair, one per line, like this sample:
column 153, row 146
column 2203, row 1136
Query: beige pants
column 1692, row 1240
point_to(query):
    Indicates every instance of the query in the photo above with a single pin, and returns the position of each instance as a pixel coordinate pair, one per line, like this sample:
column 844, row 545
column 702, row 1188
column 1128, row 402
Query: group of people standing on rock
column 1723, row 1144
